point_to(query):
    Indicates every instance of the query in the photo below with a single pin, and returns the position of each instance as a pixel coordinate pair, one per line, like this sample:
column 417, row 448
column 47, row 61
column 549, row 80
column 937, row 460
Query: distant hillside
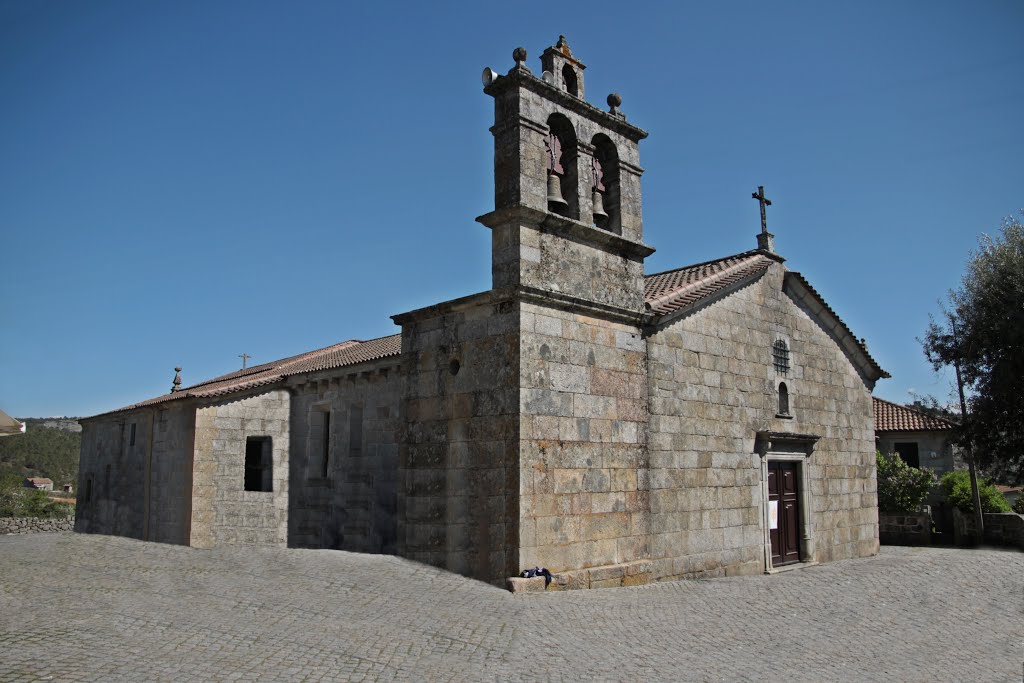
column 48, row 448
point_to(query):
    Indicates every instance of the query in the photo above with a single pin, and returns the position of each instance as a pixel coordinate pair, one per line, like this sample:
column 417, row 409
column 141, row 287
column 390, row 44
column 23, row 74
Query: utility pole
column 979, row 516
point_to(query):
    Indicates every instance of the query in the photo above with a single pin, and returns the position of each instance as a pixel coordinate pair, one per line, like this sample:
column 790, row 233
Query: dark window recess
column 131, row 438
column 88, row 489
column 355, row 431
column 909, row 454
column 780, row 354
column 259, row 465
column 325, row 444
column 106, row 479
column 783, row 399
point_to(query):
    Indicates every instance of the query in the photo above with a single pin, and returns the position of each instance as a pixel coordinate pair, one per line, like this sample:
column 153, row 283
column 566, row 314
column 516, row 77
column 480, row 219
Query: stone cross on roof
column 765, row 240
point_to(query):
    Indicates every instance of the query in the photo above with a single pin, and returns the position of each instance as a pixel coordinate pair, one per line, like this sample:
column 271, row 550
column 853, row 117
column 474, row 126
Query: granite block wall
column 344, row 492
column 137, row 487
column 458, row 502
column 583, row 460
column 223, row 512
column 712, row 388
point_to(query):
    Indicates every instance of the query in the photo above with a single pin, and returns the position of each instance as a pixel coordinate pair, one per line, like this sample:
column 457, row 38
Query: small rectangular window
column 908, row 453
column 131, row 438
column 259, row 465
column 780, row 356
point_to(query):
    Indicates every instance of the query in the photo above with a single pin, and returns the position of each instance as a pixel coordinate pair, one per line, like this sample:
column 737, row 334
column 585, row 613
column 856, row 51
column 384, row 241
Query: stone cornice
column 545, row 221
column 769, row 440
column 574, row 304
column 523, row 78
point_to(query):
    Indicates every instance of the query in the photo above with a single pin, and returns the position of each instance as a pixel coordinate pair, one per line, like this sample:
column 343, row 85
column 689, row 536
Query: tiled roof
column 892, row 417
column 327, row 358
column 682, row 288
column 674, row 290
column 39, row 480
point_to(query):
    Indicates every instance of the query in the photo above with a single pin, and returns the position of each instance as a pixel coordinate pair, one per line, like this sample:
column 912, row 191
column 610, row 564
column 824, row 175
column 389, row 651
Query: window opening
column 783, row 399
column 325, row 444
column 780, row 354
column 909, row 454
column 131, row 438
column 258, row 464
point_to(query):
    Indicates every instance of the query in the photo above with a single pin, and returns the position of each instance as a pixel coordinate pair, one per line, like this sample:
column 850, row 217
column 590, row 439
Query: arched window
column 783, row 399
column 561, row 146
column 569, row 78
column 605, row 196
column 780, row 355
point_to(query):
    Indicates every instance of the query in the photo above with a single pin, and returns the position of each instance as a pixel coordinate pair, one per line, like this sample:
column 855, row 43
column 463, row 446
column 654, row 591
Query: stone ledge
column 635, row 573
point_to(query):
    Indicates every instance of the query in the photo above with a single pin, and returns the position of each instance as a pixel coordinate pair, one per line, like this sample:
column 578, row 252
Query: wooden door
column 784, row 513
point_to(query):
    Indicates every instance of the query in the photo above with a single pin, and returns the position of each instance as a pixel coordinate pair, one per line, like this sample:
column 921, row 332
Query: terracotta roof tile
column 892, row 417
column 330, row 357
column 674, row 290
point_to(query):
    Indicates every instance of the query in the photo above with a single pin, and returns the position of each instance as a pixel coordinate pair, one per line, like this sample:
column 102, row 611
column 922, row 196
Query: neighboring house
column 39, row 483
column 920, row 439
column 612, row 426
column 9, row 426
column 1011, row 493
column 68, row 488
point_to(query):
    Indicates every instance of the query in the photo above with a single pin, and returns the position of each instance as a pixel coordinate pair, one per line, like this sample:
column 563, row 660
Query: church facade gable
column 716, row 426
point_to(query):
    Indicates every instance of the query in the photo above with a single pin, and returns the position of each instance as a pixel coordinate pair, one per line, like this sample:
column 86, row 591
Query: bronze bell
column 599, row 213
column 555, row 192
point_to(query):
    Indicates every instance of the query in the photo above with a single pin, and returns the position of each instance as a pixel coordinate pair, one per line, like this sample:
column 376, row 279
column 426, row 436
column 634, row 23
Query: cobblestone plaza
column 77, row 607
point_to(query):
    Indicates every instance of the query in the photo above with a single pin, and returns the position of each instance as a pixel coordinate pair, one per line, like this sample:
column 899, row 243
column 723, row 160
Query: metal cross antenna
column 759, row 196
column 244, row 357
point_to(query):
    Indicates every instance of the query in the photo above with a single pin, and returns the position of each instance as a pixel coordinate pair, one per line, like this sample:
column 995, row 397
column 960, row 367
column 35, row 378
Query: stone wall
column 35, row 525
column 583, row 460
column 135, row 474
column 713, row 387
column 458, row 505
column 1005, row 528
column 905, row 529
column 1001, row 528
column 349, row 501
column 223, row 512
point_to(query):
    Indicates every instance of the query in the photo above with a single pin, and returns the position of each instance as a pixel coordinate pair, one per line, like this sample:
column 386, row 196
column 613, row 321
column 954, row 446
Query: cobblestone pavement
column 97, row 608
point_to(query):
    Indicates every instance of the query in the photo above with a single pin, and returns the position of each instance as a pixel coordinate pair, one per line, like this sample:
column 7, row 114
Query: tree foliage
column 983, row 329
column 17, row 501
column 41, row 452
column 957, row 486
column 901, row 488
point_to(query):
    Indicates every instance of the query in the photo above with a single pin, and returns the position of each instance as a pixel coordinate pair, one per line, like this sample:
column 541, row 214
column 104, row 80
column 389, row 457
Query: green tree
column 901, row 488
column 982, row 332
column 957, row 486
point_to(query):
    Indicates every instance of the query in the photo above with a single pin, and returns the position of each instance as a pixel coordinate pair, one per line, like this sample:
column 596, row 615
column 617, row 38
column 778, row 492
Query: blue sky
column 182, row 182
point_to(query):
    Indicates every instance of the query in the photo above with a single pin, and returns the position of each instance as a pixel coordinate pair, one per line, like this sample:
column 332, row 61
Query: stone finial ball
column 177, row 369
column 614, row 100
column 519, row 54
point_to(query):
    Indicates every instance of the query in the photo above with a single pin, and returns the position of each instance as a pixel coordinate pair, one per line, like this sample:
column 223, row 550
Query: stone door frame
column 795, row 448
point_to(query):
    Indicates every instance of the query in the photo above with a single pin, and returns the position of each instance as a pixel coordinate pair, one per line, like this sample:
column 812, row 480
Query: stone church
column 613, row 426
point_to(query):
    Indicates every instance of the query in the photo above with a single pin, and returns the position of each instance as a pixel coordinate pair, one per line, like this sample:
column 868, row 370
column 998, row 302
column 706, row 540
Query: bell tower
column 567, row 205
